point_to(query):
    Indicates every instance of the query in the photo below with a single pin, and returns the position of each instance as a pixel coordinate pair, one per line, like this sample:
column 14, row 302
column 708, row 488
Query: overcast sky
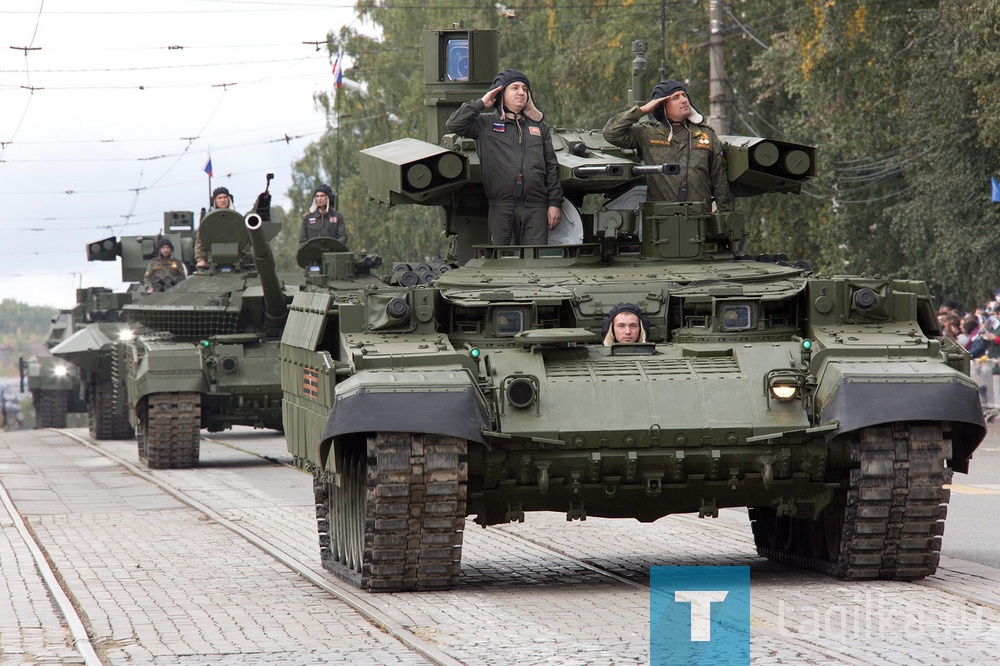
column 109, row 110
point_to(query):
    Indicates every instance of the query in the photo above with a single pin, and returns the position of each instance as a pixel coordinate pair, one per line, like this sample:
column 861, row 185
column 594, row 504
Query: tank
column 96, row 347
column 204, row 352
column 828, row 405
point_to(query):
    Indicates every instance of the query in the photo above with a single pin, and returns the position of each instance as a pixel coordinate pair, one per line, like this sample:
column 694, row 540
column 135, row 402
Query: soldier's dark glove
column 263, row 207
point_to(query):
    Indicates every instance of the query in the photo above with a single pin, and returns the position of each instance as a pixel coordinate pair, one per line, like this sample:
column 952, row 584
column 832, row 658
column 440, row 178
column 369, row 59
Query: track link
column 170, row 435
column 106, row 419
column 888, row 520
column 51, row 407
column 395, row 521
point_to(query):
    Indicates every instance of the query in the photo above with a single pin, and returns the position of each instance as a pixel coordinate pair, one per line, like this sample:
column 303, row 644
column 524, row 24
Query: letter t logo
column 701, row 610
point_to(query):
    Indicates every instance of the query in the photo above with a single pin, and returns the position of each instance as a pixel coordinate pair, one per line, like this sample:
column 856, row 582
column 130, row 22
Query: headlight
column 784, row 384
column 783, row 389
column 60, row 371
column 125, row 335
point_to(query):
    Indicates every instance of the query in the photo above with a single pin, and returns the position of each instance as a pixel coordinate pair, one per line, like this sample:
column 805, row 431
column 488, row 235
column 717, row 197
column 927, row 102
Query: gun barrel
column 610, row 170
column 670, row 169
column 275, row 308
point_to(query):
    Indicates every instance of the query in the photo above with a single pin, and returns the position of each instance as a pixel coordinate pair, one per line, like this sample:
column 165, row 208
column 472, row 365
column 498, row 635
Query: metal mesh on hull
column 187, row 322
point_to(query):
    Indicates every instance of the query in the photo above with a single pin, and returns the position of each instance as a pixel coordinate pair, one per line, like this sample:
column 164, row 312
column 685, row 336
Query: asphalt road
column 974, row 512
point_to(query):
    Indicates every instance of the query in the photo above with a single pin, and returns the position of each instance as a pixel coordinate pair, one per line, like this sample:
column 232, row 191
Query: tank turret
column 499, row 387
column 446, row 172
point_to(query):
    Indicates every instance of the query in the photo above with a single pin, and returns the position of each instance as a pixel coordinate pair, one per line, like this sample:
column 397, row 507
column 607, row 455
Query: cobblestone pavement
column 156, row 581
column 159, row 582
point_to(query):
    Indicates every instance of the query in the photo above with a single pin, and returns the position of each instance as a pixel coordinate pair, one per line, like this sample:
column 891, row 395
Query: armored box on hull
column 829, row 405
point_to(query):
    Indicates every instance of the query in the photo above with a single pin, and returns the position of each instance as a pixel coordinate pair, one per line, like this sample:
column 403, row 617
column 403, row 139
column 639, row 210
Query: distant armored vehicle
column 54, row 384
column 96, row 347
column 829, row 405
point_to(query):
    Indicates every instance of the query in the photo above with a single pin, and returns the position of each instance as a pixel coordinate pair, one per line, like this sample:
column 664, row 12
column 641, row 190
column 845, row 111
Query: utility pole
column 717, row 117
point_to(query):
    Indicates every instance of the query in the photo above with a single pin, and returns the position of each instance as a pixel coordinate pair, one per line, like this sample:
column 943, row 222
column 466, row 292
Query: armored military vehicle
column 53, row 383
column 96, row 348
column 204, row 352
column 93, row 352
column 829, row 405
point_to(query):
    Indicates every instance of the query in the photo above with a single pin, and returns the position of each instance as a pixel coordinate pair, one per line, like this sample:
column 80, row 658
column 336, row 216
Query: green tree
column 900, row 98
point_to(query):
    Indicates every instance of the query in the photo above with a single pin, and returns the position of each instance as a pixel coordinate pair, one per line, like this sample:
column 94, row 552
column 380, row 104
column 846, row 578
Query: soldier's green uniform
column 170, row 270
column 692, row 145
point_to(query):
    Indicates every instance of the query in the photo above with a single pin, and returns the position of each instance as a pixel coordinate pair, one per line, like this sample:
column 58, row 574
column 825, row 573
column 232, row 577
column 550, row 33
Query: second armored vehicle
column 96, row 348
column 205, row 351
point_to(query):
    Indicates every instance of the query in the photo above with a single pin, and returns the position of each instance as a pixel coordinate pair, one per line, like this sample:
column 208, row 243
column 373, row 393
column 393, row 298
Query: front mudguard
column 860, row 395
column 440, row 402
column 164, row 367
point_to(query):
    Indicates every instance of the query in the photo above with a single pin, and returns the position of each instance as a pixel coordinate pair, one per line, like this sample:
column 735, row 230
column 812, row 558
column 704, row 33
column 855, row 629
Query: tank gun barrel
column 609, row 170
column 275, row 308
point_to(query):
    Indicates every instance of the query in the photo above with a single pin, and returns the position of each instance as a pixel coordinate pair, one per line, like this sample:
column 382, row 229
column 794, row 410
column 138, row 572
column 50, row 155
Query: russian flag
column 208, row 167
column 338, row 68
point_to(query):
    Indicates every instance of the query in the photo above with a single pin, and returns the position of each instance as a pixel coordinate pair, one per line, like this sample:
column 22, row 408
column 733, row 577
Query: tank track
column 170, row 430
column 396, row 521
column 50, row 408
column 886, row 523
column 106, row 419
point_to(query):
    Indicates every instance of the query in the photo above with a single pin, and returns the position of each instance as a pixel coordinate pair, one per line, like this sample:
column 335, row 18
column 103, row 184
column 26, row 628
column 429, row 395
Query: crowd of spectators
column 978, row 332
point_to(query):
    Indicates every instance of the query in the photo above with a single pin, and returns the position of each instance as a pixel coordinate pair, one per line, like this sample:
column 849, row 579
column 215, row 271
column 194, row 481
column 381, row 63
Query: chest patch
column 534, row 131
column 659, row 142
column 499, row 127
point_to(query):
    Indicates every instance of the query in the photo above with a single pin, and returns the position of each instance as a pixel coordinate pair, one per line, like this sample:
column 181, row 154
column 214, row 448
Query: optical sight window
column 508, row 322
column 457, row 55
column 736, row 317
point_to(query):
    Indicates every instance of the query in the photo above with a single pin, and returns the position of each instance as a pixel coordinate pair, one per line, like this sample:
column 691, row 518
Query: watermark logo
column 699, row 615
column 882, row 613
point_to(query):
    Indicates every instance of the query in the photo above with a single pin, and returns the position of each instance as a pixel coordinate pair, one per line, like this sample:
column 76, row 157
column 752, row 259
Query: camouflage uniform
column 170, row 268
column 695, row 147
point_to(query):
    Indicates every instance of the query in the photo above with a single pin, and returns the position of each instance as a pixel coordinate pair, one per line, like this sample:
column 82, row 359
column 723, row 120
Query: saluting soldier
column 677, row 135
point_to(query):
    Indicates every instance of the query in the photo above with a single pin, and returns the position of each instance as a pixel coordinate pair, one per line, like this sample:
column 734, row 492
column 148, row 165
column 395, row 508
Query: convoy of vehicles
column 829, row 405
